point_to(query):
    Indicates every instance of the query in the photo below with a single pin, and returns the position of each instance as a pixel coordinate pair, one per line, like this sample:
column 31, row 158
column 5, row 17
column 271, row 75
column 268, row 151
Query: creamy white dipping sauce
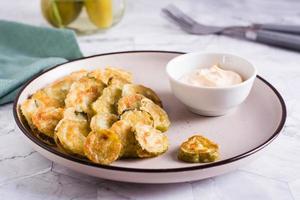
column 211, row 77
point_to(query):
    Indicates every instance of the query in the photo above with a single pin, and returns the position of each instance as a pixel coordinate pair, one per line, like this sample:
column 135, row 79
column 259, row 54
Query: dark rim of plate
column 38, row 142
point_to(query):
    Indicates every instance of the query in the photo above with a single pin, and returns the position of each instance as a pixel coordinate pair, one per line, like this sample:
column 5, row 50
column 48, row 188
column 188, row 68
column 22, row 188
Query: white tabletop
column 24, row 174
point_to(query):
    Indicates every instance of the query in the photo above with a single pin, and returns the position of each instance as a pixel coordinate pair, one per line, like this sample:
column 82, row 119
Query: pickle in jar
column 60, row 13
column 100, row 12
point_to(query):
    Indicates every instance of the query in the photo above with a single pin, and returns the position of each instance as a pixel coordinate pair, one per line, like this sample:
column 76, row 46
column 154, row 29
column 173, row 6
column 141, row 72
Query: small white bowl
column 210, row 101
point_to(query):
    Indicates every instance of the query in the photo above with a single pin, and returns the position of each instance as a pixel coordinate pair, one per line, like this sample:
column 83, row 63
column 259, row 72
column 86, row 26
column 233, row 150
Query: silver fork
column 276, row 35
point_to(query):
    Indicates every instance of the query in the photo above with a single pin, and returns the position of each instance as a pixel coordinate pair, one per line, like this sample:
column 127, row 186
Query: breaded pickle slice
column 106, row 103
column 72, row 114
column 71, row 136
column 28, row 108
column 198, row 149
column 36, row 101
column 117, row 81
column 102, row 146
column 42, row 99
column 160, row 117
column 129, row 103
column 103, row 121
column 112, row 72
column 83, row 92
column 150, row 141
column 71, row 131
column 60, row 88
column 130, row 89
column 126, row 135
column 46, row 119
column 134, row 117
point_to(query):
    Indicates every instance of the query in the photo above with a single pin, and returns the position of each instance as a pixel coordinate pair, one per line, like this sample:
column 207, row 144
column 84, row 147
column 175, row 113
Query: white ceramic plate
column 241, row 134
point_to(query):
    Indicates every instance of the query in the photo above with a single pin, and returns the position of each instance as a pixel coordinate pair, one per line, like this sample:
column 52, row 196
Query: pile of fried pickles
column 100, row 115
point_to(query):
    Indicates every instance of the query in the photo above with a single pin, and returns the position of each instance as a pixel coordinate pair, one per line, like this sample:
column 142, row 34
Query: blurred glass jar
column 83, row 16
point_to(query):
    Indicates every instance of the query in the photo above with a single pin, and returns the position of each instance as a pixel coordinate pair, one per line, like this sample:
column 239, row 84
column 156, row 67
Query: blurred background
column 145, row 27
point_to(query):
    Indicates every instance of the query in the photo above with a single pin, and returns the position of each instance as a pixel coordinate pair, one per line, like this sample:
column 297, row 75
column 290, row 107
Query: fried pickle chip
column 151, row 142
column 103, row 121
column 71, row 131
column 42, row 99
column 126, row 135
column 71, row 135
column 117, row 81
column 111, row 72
column 83, row 92
column 160, row 117
column 60, row 88
column 72, row 114
column 46, row 119
column 129, row 103
column 97, row 74
column 130, row 89
column 28, row 108
column 102, row 147
column 198, row 149
column 106, row 103
column 38, row 100
column 135, row 117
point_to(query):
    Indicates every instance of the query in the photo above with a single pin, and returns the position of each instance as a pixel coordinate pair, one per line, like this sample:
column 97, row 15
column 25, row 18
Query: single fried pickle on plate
column 112, row 72
column 83, row 92
column 46, row 119
column 134, row 117
column 150, row 141
column 129, row 103
column 130, row 89
column 102, row 146
column 106, row 103
column 126, row 135
column 198, row 149
column 160, row 117
column 103, row 121
column 70, row 133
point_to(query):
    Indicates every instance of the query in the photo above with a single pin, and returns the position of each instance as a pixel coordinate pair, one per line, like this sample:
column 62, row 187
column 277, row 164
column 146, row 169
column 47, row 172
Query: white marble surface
column 24, row 174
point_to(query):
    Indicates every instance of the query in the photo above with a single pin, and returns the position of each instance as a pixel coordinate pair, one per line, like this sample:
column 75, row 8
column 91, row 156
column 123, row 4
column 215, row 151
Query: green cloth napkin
column 26, row 50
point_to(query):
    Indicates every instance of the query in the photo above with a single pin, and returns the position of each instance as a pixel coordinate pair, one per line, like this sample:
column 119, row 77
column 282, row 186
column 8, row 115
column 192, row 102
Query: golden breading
column 97, row 74
column 36, row 101
column 111, row 72
column 46, row 119
column 129, row 103
column 43, row 100
column 137, row 117
column 71, row 131
column 117, row 81
column 60, row 88
column 83, row 92
column 102, row 147
column 159, row 116
column 28, row 108
column 150, row 141
column 103, row 121
column 126, row 135
column 106, row 103
column 130, row 89
column 71, row 135
column 198, row 149
column 72, row 114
